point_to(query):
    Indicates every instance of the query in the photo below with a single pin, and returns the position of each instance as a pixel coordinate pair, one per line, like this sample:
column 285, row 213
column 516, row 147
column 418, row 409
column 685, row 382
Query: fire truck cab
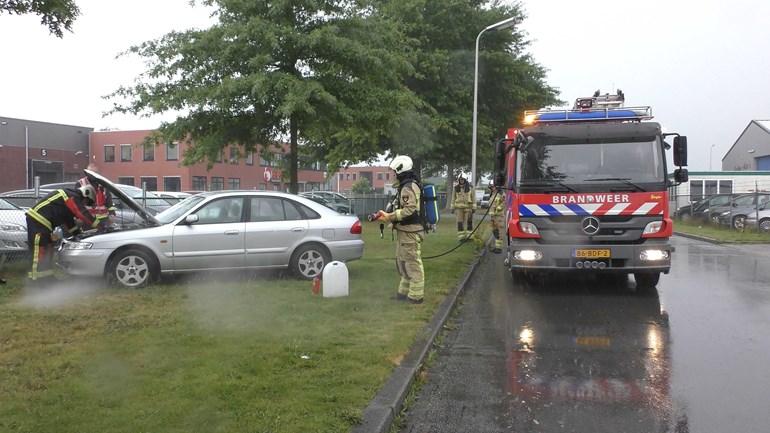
column 587, row 190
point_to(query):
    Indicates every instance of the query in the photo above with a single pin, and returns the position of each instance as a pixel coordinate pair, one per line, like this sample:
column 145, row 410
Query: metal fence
column 743, row 212
column 367, row 204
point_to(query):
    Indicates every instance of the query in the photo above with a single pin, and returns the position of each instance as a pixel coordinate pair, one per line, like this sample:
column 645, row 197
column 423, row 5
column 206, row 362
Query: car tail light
column 356, row 229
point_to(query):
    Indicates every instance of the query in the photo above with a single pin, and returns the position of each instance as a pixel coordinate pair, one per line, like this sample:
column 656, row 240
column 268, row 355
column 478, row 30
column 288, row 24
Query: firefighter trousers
column 40, row 247
column 409, row 263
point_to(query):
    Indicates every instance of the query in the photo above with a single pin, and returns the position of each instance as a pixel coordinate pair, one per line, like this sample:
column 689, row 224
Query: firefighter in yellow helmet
column 496, row 214
column 409, row 231
column 463, row 204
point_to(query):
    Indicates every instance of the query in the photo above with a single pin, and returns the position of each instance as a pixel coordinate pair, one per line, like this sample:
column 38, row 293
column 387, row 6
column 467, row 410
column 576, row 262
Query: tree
column 361, row 186
column 442, row 36
column 322, row 73
column 57, row 15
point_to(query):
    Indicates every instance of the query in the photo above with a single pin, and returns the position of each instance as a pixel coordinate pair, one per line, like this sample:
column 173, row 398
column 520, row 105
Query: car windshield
column 174, row 212
column 4, row 205
column 546, row 161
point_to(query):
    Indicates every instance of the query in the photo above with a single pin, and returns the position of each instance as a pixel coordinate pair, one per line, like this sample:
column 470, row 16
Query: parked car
column 150, row 200
column 708, row 209
column 763, row 219
column 13, row 230
column 172, row 197
column 221, row 230
column 742, row 206
column 124, row 216
column 335, row 200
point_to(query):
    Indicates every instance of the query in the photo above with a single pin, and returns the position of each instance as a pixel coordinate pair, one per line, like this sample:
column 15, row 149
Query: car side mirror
column 191, row 219
column 680, row 151
column 681, row 175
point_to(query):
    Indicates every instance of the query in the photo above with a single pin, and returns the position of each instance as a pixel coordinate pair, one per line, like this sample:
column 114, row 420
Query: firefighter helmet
column 401, row 163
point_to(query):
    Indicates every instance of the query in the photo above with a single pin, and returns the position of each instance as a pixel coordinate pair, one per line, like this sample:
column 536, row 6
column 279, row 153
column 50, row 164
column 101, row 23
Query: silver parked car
column 217, row 231
column 751, row 221
column 13, row 230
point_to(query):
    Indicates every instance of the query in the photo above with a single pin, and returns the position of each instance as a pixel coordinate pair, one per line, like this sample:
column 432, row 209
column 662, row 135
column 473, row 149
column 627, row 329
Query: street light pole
column 711, row 150
column 497, row 26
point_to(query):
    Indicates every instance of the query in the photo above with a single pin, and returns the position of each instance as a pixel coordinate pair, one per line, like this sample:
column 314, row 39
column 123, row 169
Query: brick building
column 52, row 151
column 380, row 177
column 121, row 157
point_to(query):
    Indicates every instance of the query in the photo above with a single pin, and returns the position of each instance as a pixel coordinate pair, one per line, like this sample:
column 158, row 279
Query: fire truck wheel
column 646, row 280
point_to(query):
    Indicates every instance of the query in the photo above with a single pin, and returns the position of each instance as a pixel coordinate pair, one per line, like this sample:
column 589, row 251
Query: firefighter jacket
column 497, row 206
column 463, row 197
column 406, row 217
column 61, row 208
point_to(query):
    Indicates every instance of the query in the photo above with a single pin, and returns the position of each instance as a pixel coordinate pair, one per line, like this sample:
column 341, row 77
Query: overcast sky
column 703, row 66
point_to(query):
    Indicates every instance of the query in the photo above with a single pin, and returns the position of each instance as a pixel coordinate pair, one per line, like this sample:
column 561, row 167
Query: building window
column 219, row 155
column 250, row 158
column 354, row 176
column 725, row 186
column 125, row 152
column 173, row 183
column 710, row 188
column 149, row 152
column 150, row 183
column 387, row 176
column 696, row 190
column 233, row 155
column 380, row 176
column 199, row 183
column 347, row 176
column 234, row 183
column 109, row 153
column 125, row 180
column 342, row 177
column 217, row 183
column 172, row 151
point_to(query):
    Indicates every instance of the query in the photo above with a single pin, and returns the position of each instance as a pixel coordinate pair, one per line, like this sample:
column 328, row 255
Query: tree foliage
column 315, row 72
column 57, row 15
column 361, row 186
column 442, row 35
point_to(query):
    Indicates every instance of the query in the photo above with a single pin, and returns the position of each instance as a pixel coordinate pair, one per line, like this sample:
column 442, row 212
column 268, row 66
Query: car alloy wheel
column 309, row 260
column 132, row 268
column 738, row 222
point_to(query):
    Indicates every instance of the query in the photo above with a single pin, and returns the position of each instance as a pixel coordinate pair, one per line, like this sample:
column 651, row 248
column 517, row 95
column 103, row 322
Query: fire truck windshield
column 632, row 165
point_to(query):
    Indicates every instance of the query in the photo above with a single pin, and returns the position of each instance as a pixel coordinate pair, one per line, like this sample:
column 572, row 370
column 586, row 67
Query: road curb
column 386, row 404
column 699, row 238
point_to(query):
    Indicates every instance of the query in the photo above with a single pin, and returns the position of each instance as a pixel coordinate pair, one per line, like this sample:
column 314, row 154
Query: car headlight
column 7, row 227
column 78, row 246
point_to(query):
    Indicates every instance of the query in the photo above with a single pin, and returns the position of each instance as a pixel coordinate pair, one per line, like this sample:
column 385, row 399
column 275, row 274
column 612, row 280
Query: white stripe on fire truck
column 645, row 208
column 563, row 210
column 617, row 209
column 535, row 209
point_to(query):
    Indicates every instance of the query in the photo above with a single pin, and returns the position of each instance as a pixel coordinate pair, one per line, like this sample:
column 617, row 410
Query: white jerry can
column 335, row 280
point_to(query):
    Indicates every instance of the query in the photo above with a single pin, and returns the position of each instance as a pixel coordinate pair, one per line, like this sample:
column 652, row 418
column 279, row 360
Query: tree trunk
column 293, row 155
column 450, row 180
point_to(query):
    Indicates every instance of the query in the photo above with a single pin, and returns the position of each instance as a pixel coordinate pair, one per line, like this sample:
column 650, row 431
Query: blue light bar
column 618, row 114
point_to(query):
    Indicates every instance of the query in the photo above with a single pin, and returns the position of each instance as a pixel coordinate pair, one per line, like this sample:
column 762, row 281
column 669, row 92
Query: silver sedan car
column 217, row 231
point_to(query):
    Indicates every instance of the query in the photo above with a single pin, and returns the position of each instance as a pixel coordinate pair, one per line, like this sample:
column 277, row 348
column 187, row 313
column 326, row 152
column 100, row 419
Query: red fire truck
column 587, row 190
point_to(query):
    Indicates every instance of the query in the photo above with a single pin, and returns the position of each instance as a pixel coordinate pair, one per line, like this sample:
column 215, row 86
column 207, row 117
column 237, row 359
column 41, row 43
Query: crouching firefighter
column 496, row 212
column 463, row 204
column 59, row 208
column 409, row 229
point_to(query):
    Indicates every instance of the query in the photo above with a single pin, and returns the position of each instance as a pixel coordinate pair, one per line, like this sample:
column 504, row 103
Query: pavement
column 578, row 354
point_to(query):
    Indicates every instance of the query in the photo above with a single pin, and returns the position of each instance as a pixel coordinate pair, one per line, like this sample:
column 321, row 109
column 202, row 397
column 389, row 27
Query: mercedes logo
column 590, row 225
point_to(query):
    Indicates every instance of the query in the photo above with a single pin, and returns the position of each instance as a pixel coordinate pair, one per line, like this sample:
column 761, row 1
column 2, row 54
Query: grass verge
column 211, row 354
column 720, row 234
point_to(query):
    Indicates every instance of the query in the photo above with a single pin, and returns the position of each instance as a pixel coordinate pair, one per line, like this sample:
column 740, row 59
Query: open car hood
column 97, row 179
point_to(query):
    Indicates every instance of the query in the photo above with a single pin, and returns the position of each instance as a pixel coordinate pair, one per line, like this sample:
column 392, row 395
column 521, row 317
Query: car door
column 275, row 227
column 215, row 240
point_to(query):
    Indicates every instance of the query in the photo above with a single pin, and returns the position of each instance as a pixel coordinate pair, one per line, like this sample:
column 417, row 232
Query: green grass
column 211, row 354
column 719, row 233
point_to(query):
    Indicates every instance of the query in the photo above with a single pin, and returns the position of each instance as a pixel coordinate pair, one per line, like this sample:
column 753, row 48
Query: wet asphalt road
column 580, row 355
